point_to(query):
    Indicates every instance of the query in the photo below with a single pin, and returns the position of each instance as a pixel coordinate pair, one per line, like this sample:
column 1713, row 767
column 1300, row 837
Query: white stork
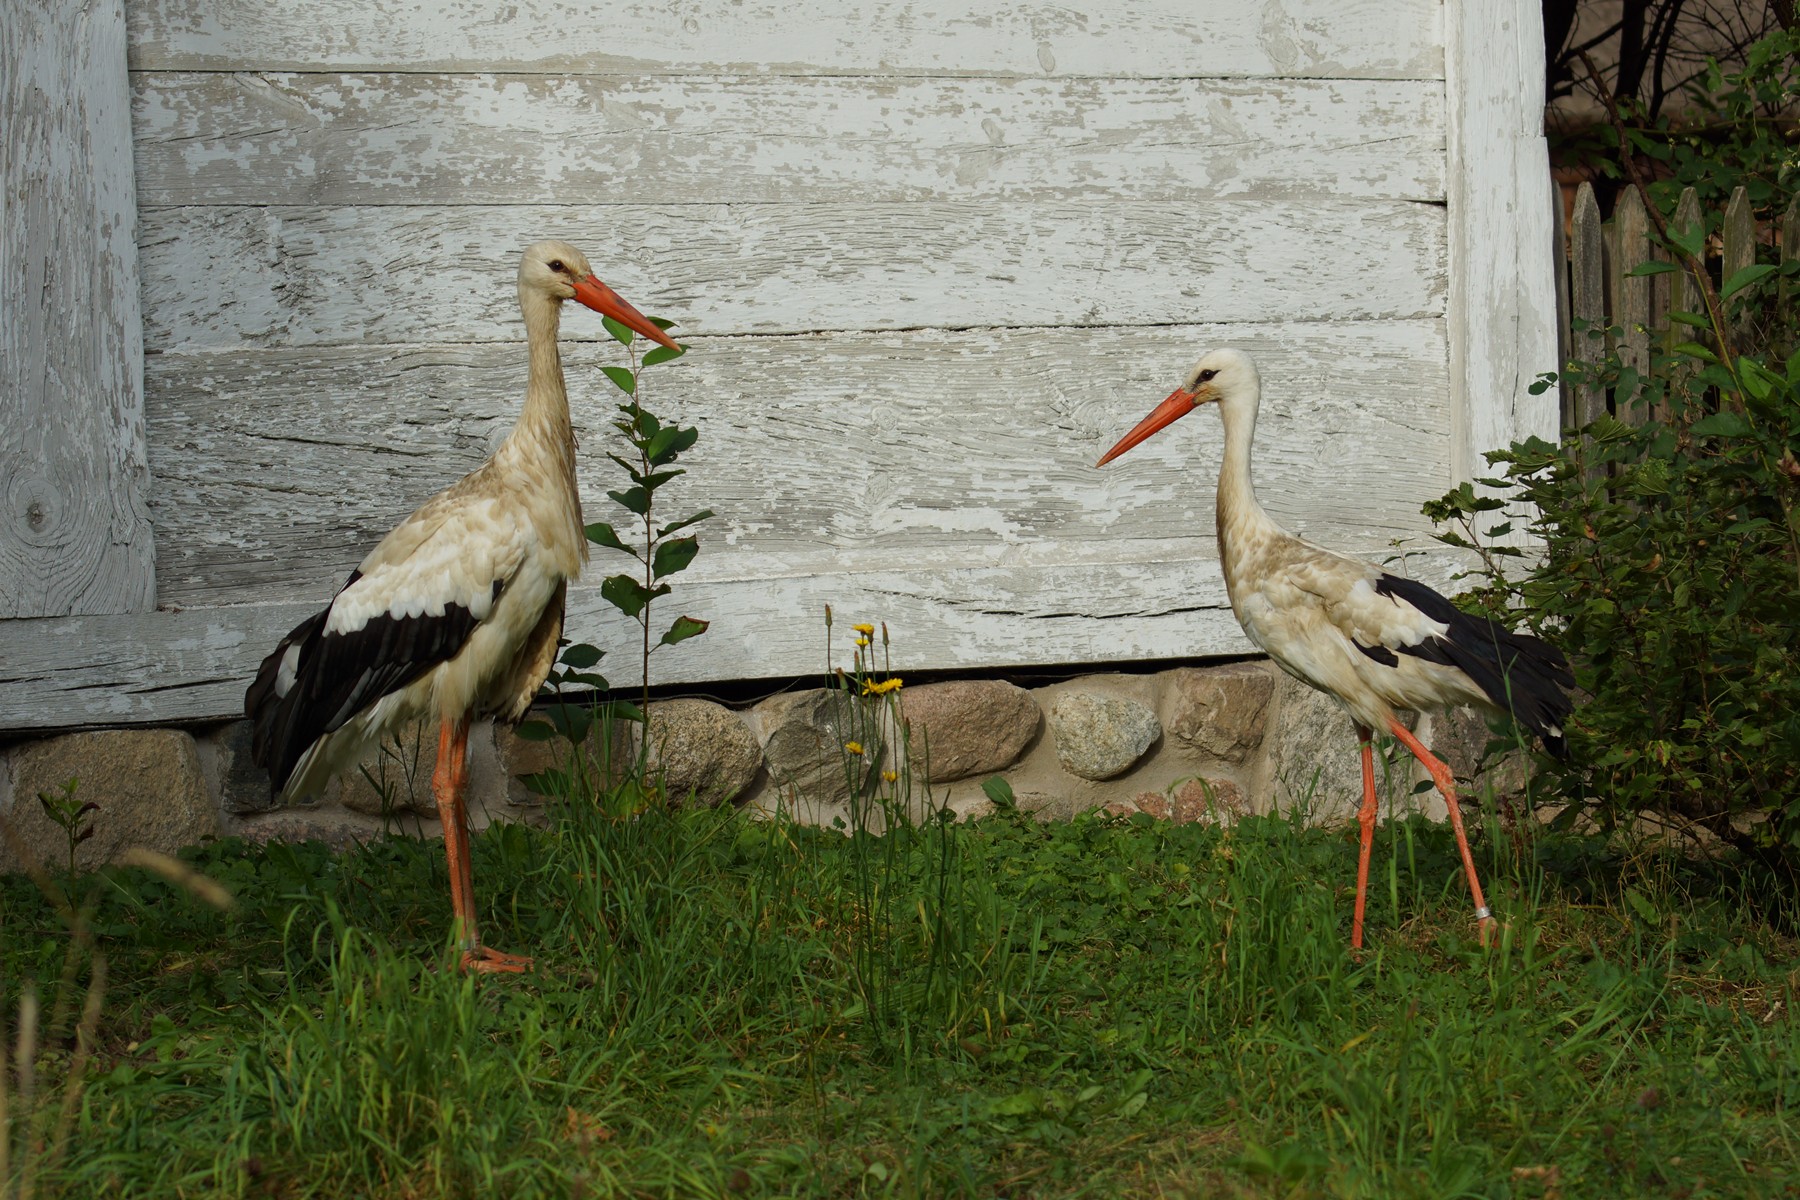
column 456, row 613
column 1376, row 642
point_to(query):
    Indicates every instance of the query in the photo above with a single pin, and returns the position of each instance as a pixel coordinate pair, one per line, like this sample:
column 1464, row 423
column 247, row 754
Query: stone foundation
column 1186, row 744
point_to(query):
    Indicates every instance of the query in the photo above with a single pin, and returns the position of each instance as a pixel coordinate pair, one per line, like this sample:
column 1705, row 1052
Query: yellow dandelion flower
column 871, row 688
column 864, row 629
column 862, row 641
column 889, row 776
column 853, row 747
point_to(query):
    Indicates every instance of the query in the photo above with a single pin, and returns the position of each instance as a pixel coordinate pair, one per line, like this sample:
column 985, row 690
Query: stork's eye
column 1205, row 376
column 556, row 264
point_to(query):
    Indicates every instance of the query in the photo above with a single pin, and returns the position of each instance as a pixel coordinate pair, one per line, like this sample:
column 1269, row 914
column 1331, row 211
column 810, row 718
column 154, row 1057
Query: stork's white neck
column 1242, row 524
column 546, row 412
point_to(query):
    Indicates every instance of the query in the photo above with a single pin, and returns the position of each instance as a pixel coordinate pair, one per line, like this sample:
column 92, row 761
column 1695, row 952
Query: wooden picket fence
column 1598, row 291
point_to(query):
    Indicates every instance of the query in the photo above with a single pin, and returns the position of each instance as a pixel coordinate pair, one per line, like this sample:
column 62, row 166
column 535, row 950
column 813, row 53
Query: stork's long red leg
column 447, row 783
column 1366, row 818
column 1440, row 775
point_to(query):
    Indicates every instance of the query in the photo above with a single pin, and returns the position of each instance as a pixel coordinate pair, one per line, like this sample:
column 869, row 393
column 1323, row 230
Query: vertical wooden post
column 1587, row 299
column 1502, row 296
column 1656, row 321
column 1687, row 296
column 1631, row 294
column 1790, row 246
column 74, row 527
column 1739, row 235
column 1559, row 252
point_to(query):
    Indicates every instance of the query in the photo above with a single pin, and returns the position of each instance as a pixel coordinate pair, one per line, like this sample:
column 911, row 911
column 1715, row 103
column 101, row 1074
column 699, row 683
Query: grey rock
column 1098, row 736
column 147, row 783
column 1214, row 801
column 1220, row 711
column 395, row 777
column 702, row 750
column 1318, row 762
column 602, row 759
column 335, row 828
column 804, row 734
column 1459, row 736
column 242, row 786
column 968, row 727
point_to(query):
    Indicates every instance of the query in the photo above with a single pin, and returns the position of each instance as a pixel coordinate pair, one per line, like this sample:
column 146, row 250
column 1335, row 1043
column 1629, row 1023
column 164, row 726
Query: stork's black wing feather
column 334, row 676
column 1521, row 674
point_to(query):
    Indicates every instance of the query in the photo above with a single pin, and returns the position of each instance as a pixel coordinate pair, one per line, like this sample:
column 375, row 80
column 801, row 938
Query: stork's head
column 1226, row 377
column 561, row 272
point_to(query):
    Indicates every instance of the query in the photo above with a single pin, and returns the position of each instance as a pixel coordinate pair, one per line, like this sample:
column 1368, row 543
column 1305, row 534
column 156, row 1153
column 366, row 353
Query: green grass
column 1101, row 1008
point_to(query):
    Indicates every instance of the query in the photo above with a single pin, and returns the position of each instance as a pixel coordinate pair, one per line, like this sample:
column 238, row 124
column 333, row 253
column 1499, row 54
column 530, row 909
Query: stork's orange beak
column 1178, row 405
column 608, row 303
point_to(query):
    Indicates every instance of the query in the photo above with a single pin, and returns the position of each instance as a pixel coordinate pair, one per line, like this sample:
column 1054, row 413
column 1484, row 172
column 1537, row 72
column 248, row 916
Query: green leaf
column 602, row 534
column 1691, row 240
column 656, row 479
column 1720, row 424
column 581, row 656
column 663, row 354
column 672, row 526
column 635, row 500
column 620, row 334
column 571, row 720
column 674, row 555
column 662, row 323
column 1000, row 792
column 1742, row 279
column 624, row 710
column 672, row 440
column 1696, row 350
column 683, row 629
column 628, row 595
column 1759, row 381
column 622, row 379
column 534, row 731
column 1697, row 320
column 1651, row 268
column 1645, row 910
column 587, row 679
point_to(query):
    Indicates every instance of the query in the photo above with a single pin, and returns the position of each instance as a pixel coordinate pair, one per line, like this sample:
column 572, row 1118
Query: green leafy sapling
column 68, row 813
column 659, row 551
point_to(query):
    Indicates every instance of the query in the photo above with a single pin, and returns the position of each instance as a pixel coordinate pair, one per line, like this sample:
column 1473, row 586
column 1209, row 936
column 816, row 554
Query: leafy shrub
column 1670, row 564
column 1671, row 575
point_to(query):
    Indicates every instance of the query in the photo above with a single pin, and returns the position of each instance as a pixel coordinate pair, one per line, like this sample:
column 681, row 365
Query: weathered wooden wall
column 74, row 529
column 931, row 260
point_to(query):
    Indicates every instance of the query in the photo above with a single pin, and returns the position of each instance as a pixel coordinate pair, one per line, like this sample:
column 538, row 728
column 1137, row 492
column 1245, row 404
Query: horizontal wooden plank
column 219, row 278
column 1345, row 38
column 211, row 138
column 275, row 470
column 195, row 664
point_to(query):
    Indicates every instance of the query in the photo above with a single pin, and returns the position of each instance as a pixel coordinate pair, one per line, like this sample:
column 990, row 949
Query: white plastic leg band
column 1482, row 913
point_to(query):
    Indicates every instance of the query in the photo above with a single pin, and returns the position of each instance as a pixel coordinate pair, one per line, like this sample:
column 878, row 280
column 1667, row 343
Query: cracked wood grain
column 1318, row 38
column 335, row 139
column 888, row 451
column 312, row 276
column 75, row 536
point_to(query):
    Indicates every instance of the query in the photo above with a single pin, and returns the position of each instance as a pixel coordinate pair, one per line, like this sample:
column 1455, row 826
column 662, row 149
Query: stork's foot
column 1488, row 929
column 484, row 961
